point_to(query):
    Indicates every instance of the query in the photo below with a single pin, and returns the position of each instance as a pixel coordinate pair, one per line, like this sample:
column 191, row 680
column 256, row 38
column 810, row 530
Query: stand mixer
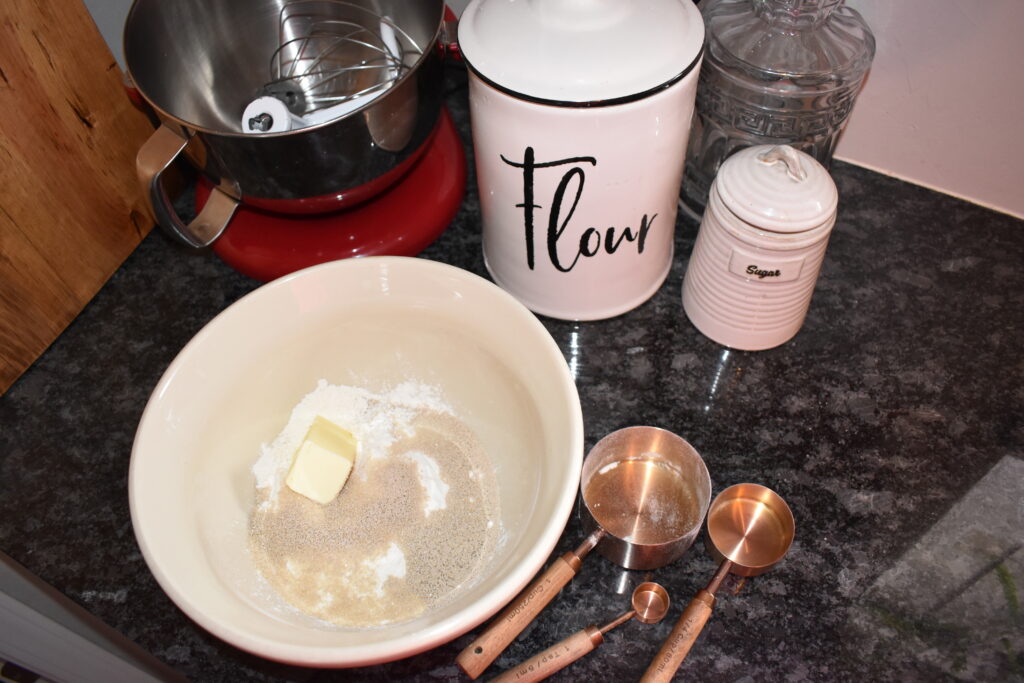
column 341, row 148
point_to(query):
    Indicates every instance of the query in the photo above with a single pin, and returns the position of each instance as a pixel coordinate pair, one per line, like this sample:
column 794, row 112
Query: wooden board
column 70, row 211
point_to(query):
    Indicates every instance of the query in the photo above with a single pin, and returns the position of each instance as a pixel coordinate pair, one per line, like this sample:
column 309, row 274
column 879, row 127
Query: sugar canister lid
column 581, row 52
column 777, row 188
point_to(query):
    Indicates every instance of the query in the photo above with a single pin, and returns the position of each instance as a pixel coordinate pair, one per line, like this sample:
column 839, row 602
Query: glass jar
column 774, row 72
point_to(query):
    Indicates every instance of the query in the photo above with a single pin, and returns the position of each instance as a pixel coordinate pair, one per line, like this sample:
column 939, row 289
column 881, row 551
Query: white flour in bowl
column 417, row 519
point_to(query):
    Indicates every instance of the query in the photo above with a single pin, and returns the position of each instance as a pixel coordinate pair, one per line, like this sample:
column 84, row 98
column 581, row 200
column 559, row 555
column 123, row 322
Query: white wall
column 109, row 16
column 940, row 108
column 944, row 103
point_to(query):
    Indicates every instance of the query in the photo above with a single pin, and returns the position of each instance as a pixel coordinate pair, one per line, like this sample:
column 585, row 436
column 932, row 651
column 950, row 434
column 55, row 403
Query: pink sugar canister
column 760, row 247
column 580, row 113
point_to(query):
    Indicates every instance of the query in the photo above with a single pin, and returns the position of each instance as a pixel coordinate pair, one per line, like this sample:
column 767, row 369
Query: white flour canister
column 762, row 239
column 580, row 113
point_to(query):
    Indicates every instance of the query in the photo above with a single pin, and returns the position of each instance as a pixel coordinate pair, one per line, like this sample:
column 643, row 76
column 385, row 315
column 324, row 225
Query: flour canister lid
column 777, row 188
column 581, row 52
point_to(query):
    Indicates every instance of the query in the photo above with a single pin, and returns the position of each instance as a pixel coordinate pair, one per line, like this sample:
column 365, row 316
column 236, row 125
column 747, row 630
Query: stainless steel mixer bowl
column 198, row 63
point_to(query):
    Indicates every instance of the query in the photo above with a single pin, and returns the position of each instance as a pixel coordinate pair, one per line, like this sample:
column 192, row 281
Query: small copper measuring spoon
column 650, row 604
column 645, row 492
column 750, row 529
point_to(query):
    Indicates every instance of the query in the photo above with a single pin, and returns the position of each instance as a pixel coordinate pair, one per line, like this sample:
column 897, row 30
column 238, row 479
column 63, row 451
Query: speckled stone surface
column 892, row 425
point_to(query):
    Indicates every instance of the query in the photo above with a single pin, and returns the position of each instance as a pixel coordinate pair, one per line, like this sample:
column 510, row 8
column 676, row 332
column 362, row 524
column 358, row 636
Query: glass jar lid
column 581, row 52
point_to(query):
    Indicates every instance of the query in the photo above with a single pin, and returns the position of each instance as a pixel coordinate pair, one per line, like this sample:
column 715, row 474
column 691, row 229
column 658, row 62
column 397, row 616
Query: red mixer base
column 402, row 221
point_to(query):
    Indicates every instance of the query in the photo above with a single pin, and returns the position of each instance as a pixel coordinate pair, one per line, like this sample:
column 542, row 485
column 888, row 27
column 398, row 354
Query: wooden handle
column 675, row 648
column 503, row 630
column 555, row 658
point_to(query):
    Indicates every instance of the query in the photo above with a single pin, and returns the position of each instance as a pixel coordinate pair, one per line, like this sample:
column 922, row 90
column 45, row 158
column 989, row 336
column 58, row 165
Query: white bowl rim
column 348, row 656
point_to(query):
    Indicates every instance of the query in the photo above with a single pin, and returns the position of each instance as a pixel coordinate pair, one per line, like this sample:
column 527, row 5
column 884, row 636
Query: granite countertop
column 891, row 424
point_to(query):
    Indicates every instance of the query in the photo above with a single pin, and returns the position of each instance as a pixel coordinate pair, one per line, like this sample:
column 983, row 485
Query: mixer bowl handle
column 158, row 152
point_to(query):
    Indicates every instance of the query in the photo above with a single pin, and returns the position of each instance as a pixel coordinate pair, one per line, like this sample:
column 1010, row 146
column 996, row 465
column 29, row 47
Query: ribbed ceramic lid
column 777, row 188
column 581, row 51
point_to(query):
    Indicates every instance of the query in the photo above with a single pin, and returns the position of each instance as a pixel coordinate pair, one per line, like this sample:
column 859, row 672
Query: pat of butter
column 323, row 461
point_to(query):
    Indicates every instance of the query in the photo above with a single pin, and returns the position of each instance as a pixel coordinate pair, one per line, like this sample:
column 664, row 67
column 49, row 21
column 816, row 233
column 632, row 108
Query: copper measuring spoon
column 650, row 604
column 645, row 492
column 750, row 529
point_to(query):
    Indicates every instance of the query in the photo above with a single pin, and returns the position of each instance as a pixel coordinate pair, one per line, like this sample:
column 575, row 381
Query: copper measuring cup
column 650, row 604
column 750, row 529
column 645, row 492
